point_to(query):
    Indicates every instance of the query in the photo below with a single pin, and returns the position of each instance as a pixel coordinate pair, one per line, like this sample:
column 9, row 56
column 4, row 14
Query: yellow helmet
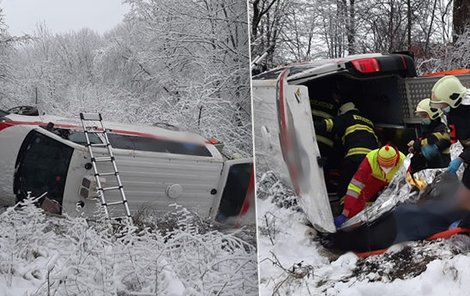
column 448, row 90
column 346, row 107
column 423, row 106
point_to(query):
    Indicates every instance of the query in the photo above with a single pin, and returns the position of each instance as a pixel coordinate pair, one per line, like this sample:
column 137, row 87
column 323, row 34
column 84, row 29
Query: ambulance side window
column 157, row 145
column 79, row 138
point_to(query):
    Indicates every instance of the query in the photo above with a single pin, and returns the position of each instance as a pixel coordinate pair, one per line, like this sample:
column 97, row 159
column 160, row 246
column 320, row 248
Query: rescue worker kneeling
column 374, row 174
column 431, row 149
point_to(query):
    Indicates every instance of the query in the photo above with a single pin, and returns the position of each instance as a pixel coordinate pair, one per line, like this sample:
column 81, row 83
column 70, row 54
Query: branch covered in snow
column 64, row 256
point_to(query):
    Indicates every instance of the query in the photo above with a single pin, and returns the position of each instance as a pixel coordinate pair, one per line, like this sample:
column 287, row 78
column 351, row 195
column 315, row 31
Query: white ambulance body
column 158, row 168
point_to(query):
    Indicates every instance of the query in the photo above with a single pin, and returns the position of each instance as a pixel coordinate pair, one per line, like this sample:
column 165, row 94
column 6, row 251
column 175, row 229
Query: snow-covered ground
column 293, row 263
column 179, row 255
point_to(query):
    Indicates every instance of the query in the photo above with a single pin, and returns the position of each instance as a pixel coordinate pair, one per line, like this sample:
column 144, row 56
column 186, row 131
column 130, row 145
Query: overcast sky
column 62, row 15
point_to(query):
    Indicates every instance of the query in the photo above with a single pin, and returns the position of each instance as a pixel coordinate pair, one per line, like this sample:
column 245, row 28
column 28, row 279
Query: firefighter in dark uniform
column 321, row 110
column 357, row 137
column 448, row 95
column 324, row 110
column 431, row 149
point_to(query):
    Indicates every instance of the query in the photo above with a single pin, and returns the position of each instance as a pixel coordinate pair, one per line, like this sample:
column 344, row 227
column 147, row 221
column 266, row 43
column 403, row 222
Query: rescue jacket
column 434, row 134
column 323, row 110
column 459, row 119
column 355, row 132
column 368, row 180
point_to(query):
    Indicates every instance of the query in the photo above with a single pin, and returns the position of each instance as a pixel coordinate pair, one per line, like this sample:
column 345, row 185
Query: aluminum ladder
column 101, row 130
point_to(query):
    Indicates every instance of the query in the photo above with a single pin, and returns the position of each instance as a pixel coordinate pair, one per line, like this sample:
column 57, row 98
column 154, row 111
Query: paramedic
column 357, row 137
column 374, row 174
column 431, row 149
column 448, row 94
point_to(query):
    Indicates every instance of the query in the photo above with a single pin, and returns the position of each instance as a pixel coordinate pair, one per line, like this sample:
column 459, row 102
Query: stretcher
column 443, row 234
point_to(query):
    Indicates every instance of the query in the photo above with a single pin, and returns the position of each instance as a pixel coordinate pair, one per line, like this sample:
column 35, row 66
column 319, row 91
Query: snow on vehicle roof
column 118, row 128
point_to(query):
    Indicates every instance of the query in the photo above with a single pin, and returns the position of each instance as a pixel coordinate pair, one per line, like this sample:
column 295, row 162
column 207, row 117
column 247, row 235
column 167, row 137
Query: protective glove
column 339, row 220
column 454, row 165
column 455, row 224
column 429, row 151
column 410, row 146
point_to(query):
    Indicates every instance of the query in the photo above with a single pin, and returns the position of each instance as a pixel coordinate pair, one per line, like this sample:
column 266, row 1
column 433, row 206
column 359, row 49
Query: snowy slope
column 293, row 263
column 43, row 255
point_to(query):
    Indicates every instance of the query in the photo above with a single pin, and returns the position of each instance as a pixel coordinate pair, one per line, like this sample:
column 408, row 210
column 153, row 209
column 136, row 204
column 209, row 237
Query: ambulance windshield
column 42, row 166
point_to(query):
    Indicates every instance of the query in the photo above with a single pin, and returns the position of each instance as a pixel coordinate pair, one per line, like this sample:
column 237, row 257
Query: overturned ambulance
column 48, row 155
column 384, row 87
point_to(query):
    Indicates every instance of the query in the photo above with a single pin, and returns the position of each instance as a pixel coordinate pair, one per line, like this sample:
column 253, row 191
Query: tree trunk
column 256, row 18
column 428, row 34
column 461, row 17
column 408, row 4
column 390, row 26
column 351, row 27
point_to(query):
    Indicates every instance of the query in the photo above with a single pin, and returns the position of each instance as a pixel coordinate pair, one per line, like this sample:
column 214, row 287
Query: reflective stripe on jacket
column 355, row 131
column 368, row 180
column 436, row 133
column 323, row 110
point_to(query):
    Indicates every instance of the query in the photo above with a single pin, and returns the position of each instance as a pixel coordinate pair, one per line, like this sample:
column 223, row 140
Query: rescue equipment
column 86, row 119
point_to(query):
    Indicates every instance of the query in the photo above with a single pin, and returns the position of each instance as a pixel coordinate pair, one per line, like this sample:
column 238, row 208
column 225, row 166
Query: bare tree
column 182, row 62
column 334, row 28
column 461, row 16
column 268, row 18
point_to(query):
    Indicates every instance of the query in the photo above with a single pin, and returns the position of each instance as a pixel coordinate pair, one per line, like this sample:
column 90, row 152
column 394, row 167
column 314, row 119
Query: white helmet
column 448, row 90
column 346, row 107
column 423, row 106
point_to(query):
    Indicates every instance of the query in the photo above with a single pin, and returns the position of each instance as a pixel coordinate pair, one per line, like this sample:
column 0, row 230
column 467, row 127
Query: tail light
column 369, row 65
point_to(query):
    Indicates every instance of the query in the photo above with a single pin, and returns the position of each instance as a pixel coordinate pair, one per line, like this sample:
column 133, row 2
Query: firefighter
column 374, row 174
column 321, row 110
column 448, row 95
column 357, row 137
column 327, row 144
column 431, row 149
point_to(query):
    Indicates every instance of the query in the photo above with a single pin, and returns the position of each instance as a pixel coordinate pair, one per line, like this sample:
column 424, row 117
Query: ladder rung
column 91, row 116
column 95, row 131
column 106, row 174
column 113, row 203
column 99, row 145
column 87, row 128
column 110, row 188
column 102, row 159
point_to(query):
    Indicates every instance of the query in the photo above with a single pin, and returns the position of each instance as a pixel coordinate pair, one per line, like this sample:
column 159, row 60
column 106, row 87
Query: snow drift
column 44, row 255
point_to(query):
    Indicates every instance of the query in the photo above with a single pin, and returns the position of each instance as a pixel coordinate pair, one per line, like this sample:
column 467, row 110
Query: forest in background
column 179, row 62
column 288, row 31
